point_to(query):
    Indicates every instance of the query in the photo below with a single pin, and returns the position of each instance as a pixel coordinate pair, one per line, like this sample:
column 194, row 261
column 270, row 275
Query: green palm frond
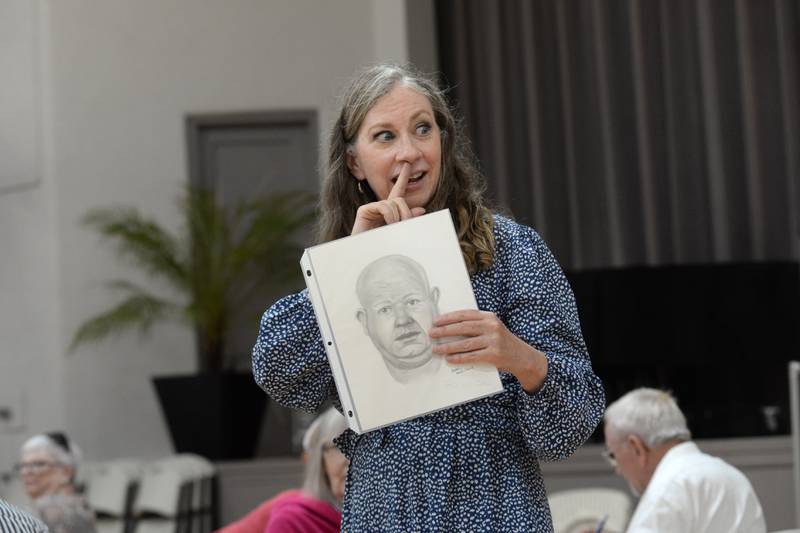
column 142, row 240
column 219, row 260
column 264, row 242
column 139, row 310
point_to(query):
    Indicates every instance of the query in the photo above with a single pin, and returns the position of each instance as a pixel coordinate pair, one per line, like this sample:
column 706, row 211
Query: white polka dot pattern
column 473, row 467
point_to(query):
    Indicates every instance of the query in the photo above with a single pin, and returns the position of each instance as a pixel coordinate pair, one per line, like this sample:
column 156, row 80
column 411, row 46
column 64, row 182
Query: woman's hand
column 393, row 209
column 489, row 341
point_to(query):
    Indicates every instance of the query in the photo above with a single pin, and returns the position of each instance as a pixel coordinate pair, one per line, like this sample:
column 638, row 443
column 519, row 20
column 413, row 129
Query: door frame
column 197, row 123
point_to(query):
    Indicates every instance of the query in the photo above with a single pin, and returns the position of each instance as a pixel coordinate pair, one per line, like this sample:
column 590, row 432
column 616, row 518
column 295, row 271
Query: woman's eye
column 384, row 136
column 424, row 128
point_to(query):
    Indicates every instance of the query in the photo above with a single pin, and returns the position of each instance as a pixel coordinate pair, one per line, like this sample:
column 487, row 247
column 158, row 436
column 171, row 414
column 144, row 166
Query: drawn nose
column 401, row 315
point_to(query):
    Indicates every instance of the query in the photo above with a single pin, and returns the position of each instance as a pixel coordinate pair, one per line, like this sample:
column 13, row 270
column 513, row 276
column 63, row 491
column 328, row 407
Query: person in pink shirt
column 316, row 508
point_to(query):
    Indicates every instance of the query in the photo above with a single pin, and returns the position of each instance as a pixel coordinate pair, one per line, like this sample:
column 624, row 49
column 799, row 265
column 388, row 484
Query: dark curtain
column 635, row 132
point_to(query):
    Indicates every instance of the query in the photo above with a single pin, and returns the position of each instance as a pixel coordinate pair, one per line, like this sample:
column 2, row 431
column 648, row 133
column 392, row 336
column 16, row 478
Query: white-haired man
column 683, row 490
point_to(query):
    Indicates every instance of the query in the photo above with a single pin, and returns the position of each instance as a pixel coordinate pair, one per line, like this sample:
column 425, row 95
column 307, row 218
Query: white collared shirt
column 693, row 492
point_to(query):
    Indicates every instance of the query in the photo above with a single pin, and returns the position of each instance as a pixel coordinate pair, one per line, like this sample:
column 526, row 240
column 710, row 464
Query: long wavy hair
column 461, row 185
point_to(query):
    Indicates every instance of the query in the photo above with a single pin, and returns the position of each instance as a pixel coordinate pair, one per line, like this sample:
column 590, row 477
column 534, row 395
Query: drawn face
column 398, row 312
column 400, row 128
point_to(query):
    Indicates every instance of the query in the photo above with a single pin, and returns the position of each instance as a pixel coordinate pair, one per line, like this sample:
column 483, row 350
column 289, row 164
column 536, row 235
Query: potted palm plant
column 219, row 261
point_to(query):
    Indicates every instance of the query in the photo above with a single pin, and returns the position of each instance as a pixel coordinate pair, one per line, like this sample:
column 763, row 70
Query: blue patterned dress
column 474, row 467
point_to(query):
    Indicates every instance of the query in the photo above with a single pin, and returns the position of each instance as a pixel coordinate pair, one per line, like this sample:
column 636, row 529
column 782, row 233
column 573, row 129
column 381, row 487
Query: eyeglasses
column 34, row 467
column 610, row 457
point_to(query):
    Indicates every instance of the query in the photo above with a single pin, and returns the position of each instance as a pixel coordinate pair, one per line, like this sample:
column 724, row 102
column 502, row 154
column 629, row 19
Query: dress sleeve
column 540, row 309
column 289, row 360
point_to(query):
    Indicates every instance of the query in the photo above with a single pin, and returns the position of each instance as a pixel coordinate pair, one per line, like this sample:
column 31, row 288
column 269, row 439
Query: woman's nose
column 407, row 150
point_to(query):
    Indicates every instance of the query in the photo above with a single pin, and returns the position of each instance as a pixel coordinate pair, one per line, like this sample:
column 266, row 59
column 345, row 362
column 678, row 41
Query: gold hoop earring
column 360, row 189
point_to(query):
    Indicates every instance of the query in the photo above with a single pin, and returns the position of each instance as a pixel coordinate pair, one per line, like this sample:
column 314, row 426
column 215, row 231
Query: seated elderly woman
column 315, row 508
column 48, row 467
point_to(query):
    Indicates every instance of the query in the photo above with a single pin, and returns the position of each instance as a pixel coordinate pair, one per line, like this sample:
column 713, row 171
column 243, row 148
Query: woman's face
column 400, row 128
column 335, row 464
column 41, row 474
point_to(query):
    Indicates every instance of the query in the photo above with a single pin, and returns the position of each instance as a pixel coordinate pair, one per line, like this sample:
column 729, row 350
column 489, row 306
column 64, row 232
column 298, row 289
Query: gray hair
column 319, row 437
column 652, row 414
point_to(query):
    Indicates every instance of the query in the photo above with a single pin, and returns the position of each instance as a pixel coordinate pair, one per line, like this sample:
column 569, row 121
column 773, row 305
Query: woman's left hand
column 489, row 341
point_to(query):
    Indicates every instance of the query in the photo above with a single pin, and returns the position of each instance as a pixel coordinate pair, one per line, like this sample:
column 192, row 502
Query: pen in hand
column 601, row 524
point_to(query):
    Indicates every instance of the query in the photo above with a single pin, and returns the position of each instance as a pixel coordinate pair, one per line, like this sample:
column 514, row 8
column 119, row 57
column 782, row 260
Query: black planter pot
column 217, row 416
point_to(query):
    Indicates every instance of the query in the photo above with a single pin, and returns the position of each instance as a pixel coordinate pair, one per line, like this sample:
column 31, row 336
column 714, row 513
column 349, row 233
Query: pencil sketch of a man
column 397, row 310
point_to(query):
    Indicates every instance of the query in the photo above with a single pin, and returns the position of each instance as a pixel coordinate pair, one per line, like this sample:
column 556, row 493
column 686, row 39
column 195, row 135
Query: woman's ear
column 352, row 163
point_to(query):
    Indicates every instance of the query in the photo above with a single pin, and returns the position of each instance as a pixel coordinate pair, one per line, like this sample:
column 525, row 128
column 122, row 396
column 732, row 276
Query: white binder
column 374, row 295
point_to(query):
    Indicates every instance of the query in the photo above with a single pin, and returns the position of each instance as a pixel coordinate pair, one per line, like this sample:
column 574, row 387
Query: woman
column 48, row 467
column 396, row 152
column 315, row 508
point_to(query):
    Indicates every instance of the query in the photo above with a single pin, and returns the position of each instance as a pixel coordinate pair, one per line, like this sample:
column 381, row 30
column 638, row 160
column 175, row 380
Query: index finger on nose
column 399, row 188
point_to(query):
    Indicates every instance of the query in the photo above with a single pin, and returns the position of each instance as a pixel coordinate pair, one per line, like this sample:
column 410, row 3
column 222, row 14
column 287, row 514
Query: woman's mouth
column 413, row 178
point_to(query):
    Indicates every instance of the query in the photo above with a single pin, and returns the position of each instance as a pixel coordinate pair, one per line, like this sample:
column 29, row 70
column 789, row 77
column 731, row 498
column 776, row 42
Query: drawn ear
column 361, row 315
column 435, row 295
column 352, row 163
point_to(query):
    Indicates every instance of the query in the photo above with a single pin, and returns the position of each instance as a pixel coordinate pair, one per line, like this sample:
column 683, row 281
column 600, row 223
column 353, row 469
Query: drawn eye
column 385, row 310
column 411, row 302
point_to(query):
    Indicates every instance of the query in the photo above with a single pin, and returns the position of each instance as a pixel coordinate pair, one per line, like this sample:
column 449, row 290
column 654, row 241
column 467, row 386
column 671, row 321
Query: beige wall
column 30, row 370
column 117, row 79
